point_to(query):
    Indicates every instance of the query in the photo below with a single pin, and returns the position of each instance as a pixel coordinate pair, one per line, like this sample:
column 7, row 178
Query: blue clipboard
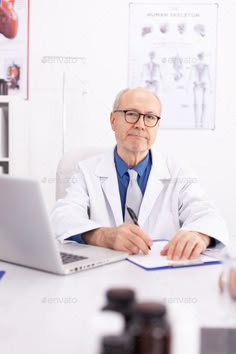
column 154, row 261
column 1, row 273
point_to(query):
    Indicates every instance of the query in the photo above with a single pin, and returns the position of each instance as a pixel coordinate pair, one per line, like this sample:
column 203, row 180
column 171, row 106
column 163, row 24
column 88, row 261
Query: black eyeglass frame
column 139, row 115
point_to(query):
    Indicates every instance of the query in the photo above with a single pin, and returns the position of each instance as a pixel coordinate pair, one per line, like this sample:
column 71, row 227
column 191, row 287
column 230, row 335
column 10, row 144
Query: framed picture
column 14, row 47
column 172, row 52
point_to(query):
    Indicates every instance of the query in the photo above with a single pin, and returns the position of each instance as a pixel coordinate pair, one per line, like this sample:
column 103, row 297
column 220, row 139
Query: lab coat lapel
column 159, row 172
column 107, row 172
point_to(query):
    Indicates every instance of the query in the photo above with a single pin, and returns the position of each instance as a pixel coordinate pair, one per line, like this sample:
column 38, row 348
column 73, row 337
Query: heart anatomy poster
column 14, row 33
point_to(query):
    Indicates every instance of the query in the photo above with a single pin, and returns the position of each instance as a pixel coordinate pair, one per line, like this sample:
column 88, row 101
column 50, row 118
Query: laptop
column 27, row 238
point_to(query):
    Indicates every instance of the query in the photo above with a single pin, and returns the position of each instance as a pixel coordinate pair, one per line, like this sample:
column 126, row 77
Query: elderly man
column 168, row 201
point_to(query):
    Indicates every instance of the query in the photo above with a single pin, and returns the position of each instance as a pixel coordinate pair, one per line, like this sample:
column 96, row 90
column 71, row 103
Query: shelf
column 4, row 136
column 9, row 99
column 4, row 166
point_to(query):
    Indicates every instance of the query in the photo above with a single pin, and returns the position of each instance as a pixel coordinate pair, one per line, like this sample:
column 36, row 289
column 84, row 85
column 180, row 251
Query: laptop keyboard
column 69, row 258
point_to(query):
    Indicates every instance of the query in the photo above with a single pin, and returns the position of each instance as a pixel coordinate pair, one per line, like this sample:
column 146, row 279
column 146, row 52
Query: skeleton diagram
column 152, row 74
column 200, row 77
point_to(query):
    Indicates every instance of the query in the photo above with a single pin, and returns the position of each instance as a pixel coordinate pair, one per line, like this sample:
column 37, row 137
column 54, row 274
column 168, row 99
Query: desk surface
column 35, row 320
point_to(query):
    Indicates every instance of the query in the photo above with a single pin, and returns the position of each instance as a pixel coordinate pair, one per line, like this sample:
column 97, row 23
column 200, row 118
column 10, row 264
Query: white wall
column 98, row 30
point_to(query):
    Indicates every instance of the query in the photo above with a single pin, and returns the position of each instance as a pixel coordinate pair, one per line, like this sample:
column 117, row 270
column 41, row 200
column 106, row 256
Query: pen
column 134, row 218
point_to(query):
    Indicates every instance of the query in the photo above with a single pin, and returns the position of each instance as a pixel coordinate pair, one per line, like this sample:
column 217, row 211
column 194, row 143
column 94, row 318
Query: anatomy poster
column 172, row 52
column 14, row 19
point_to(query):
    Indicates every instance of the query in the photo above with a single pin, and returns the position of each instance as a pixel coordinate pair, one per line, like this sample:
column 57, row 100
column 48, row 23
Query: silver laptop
column 27, row 238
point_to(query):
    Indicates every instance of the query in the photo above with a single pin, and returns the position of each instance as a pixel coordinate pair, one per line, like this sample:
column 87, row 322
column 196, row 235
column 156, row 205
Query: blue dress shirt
column 143, row 169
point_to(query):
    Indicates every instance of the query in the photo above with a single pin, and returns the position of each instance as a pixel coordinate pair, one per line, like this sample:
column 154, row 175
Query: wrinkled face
column 136, row 137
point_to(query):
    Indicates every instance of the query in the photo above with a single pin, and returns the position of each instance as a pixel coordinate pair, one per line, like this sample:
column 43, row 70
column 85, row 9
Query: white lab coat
column 173, row 200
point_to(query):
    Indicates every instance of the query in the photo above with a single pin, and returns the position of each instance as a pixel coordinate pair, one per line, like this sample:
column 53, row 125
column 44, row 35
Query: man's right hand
column 126, row 237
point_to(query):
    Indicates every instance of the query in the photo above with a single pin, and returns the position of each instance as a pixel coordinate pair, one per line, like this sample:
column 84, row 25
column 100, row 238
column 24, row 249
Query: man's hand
column 186, row 245
column 231, row 283
column 126, row 237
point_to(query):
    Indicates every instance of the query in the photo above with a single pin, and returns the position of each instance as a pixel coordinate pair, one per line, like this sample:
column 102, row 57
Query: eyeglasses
column 132, row 117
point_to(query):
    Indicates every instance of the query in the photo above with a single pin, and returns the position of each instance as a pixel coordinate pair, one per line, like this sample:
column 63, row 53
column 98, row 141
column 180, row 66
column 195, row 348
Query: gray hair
column 116, row 103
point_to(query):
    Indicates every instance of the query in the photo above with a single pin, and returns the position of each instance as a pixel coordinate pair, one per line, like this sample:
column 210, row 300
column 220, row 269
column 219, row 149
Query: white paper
column 155, row 260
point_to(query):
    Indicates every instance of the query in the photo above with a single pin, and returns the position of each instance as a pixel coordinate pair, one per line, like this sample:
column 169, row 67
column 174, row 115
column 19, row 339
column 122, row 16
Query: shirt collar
column 140, row 168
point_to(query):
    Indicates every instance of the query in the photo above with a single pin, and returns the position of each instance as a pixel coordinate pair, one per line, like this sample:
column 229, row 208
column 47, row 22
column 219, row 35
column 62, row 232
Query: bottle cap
column 121, row 295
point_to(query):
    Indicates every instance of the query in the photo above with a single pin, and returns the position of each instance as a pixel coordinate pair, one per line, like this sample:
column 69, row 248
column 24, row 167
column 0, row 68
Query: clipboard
column 154, row 261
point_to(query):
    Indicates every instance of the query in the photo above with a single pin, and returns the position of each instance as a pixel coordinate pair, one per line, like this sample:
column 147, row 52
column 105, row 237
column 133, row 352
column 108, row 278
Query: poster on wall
column 14, row 27
column 172, row 52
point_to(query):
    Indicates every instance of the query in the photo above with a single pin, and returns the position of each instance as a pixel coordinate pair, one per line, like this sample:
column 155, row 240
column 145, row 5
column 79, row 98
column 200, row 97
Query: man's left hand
column 186, row 245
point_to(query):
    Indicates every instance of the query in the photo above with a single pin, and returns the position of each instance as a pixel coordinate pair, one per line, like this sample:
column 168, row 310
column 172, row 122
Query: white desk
column 33, row 322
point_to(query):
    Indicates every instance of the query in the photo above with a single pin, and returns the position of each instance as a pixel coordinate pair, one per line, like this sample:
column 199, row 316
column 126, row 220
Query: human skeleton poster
column 172, row 52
